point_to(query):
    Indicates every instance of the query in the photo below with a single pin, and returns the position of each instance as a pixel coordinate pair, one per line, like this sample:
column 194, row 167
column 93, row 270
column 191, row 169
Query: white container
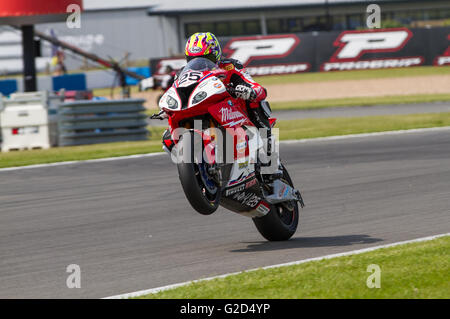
column 24, row 122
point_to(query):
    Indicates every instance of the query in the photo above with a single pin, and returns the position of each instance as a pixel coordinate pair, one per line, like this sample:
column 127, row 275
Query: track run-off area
column 129, row 227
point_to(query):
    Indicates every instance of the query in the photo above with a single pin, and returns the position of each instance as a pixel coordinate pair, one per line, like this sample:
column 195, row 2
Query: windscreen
column 189, row 77
column 199, row 64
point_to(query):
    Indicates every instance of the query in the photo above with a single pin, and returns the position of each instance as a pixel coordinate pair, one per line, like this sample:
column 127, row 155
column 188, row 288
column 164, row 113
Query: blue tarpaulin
column 8, row 86
column 144, row 71
column 70, row 82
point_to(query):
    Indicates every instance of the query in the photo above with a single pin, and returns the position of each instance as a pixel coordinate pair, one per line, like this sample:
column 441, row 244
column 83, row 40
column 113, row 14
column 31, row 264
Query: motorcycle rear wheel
column 280, row 223
column 201, row 192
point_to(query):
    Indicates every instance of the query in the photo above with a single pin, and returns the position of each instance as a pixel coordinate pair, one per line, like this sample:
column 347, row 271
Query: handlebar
column 157, row 116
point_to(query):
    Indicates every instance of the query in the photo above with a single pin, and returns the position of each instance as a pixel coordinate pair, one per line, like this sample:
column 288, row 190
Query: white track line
column 348, row 253
column 343, row 137
column 307, row 140
column 98, row 160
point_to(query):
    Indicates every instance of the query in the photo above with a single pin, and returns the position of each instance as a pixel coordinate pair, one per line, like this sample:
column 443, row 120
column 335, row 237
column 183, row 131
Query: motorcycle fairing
column 228, row 115
column 245, row 198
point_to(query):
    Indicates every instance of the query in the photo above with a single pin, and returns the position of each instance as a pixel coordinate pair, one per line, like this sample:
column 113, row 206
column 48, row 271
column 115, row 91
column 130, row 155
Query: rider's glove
column 244, row 92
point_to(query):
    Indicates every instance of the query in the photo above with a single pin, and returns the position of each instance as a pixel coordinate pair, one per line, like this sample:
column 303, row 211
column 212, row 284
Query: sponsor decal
column 284, row 190
column 278, row 69
column 229, row 67
column 248, row 49
column 202, row 84
column 263, row 208
column 241, row 145
column 243, row 165
column 372, row 64
column 229, row 114
column 235, row 123
column 242, row 178
column 234, row 190
column 241, row 187
column 352, row 45
column 250, row 183
column 263, row 47
column 248, row 199
column 195, row 50
column 217, row 85
column 445, row 58
column 347, row 50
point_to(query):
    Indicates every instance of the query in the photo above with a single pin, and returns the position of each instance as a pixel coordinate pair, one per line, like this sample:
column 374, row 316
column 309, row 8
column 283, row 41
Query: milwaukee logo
column 229, row 114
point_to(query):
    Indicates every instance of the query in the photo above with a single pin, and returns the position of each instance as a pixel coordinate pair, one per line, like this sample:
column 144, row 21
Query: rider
column 206, row 45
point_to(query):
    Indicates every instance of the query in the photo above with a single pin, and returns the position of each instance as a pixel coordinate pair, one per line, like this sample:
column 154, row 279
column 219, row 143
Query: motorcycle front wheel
column 201, row 191
column 282, row 221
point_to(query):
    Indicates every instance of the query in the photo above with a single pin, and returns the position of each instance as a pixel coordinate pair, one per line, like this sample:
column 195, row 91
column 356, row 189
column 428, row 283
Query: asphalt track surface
column 127, row 224
column 356, row 111
column 352, row 111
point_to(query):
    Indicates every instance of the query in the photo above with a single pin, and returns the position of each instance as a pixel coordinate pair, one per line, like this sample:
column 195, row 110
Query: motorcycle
column 221, row 156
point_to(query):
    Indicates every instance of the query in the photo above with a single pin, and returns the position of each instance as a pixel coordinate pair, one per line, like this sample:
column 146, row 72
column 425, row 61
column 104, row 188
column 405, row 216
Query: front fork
column 283, row 192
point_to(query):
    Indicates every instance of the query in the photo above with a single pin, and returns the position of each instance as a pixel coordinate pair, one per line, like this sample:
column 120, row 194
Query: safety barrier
column 101, row 121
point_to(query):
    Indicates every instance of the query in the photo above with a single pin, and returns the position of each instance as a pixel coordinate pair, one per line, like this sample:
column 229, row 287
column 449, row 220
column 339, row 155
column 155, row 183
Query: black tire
column 276, row 225
column 201, row 197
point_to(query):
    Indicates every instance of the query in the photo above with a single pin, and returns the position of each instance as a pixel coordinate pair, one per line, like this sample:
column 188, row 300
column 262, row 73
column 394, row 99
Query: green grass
column 360, row 101
column 321, row 127
column 416, row 270
column 353, row 75
column 292, row 129
column 74, row 153
column 83, row 152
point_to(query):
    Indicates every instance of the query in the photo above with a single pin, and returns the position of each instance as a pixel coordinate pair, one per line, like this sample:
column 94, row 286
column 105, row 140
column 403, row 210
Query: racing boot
column 270, row 162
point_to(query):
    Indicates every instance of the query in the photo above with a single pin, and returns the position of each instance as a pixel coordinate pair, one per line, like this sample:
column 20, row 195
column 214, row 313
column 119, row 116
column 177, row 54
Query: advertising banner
column 333, row 51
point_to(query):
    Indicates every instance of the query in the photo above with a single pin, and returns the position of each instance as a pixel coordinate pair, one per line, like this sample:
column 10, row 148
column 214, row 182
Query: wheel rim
column 286, row 215
column 207, row 185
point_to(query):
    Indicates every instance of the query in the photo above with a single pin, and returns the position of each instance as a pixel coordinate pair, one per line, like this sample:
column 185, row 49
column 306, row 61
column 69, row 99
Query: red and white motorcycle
column 221, row 157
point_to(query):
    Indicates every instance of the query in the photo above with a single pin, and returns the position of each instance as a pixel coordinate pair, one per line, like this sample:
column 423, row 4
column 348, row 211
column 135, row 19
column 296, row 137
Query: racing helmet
column 203, row 44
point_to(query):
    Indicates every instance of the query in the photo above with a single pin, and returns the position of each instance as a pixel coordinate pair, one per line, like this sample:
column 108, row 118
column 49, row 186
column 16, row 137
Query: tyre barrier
column 93, row 122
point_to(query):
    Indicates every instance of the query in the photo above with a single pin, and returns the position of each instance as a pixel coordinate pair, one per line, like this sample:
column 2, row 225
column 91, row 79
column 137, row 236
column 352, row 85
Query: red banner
column 18, row 8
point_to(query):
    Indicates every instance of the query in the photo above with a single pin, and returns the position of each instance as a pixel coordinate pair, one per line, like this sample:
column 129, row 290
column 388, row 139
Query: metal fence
column 92, row 122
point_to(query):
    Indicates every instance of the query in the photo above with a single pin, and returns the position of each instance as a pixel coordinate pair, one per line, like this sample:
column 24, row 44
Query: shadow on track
column 308, row 242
